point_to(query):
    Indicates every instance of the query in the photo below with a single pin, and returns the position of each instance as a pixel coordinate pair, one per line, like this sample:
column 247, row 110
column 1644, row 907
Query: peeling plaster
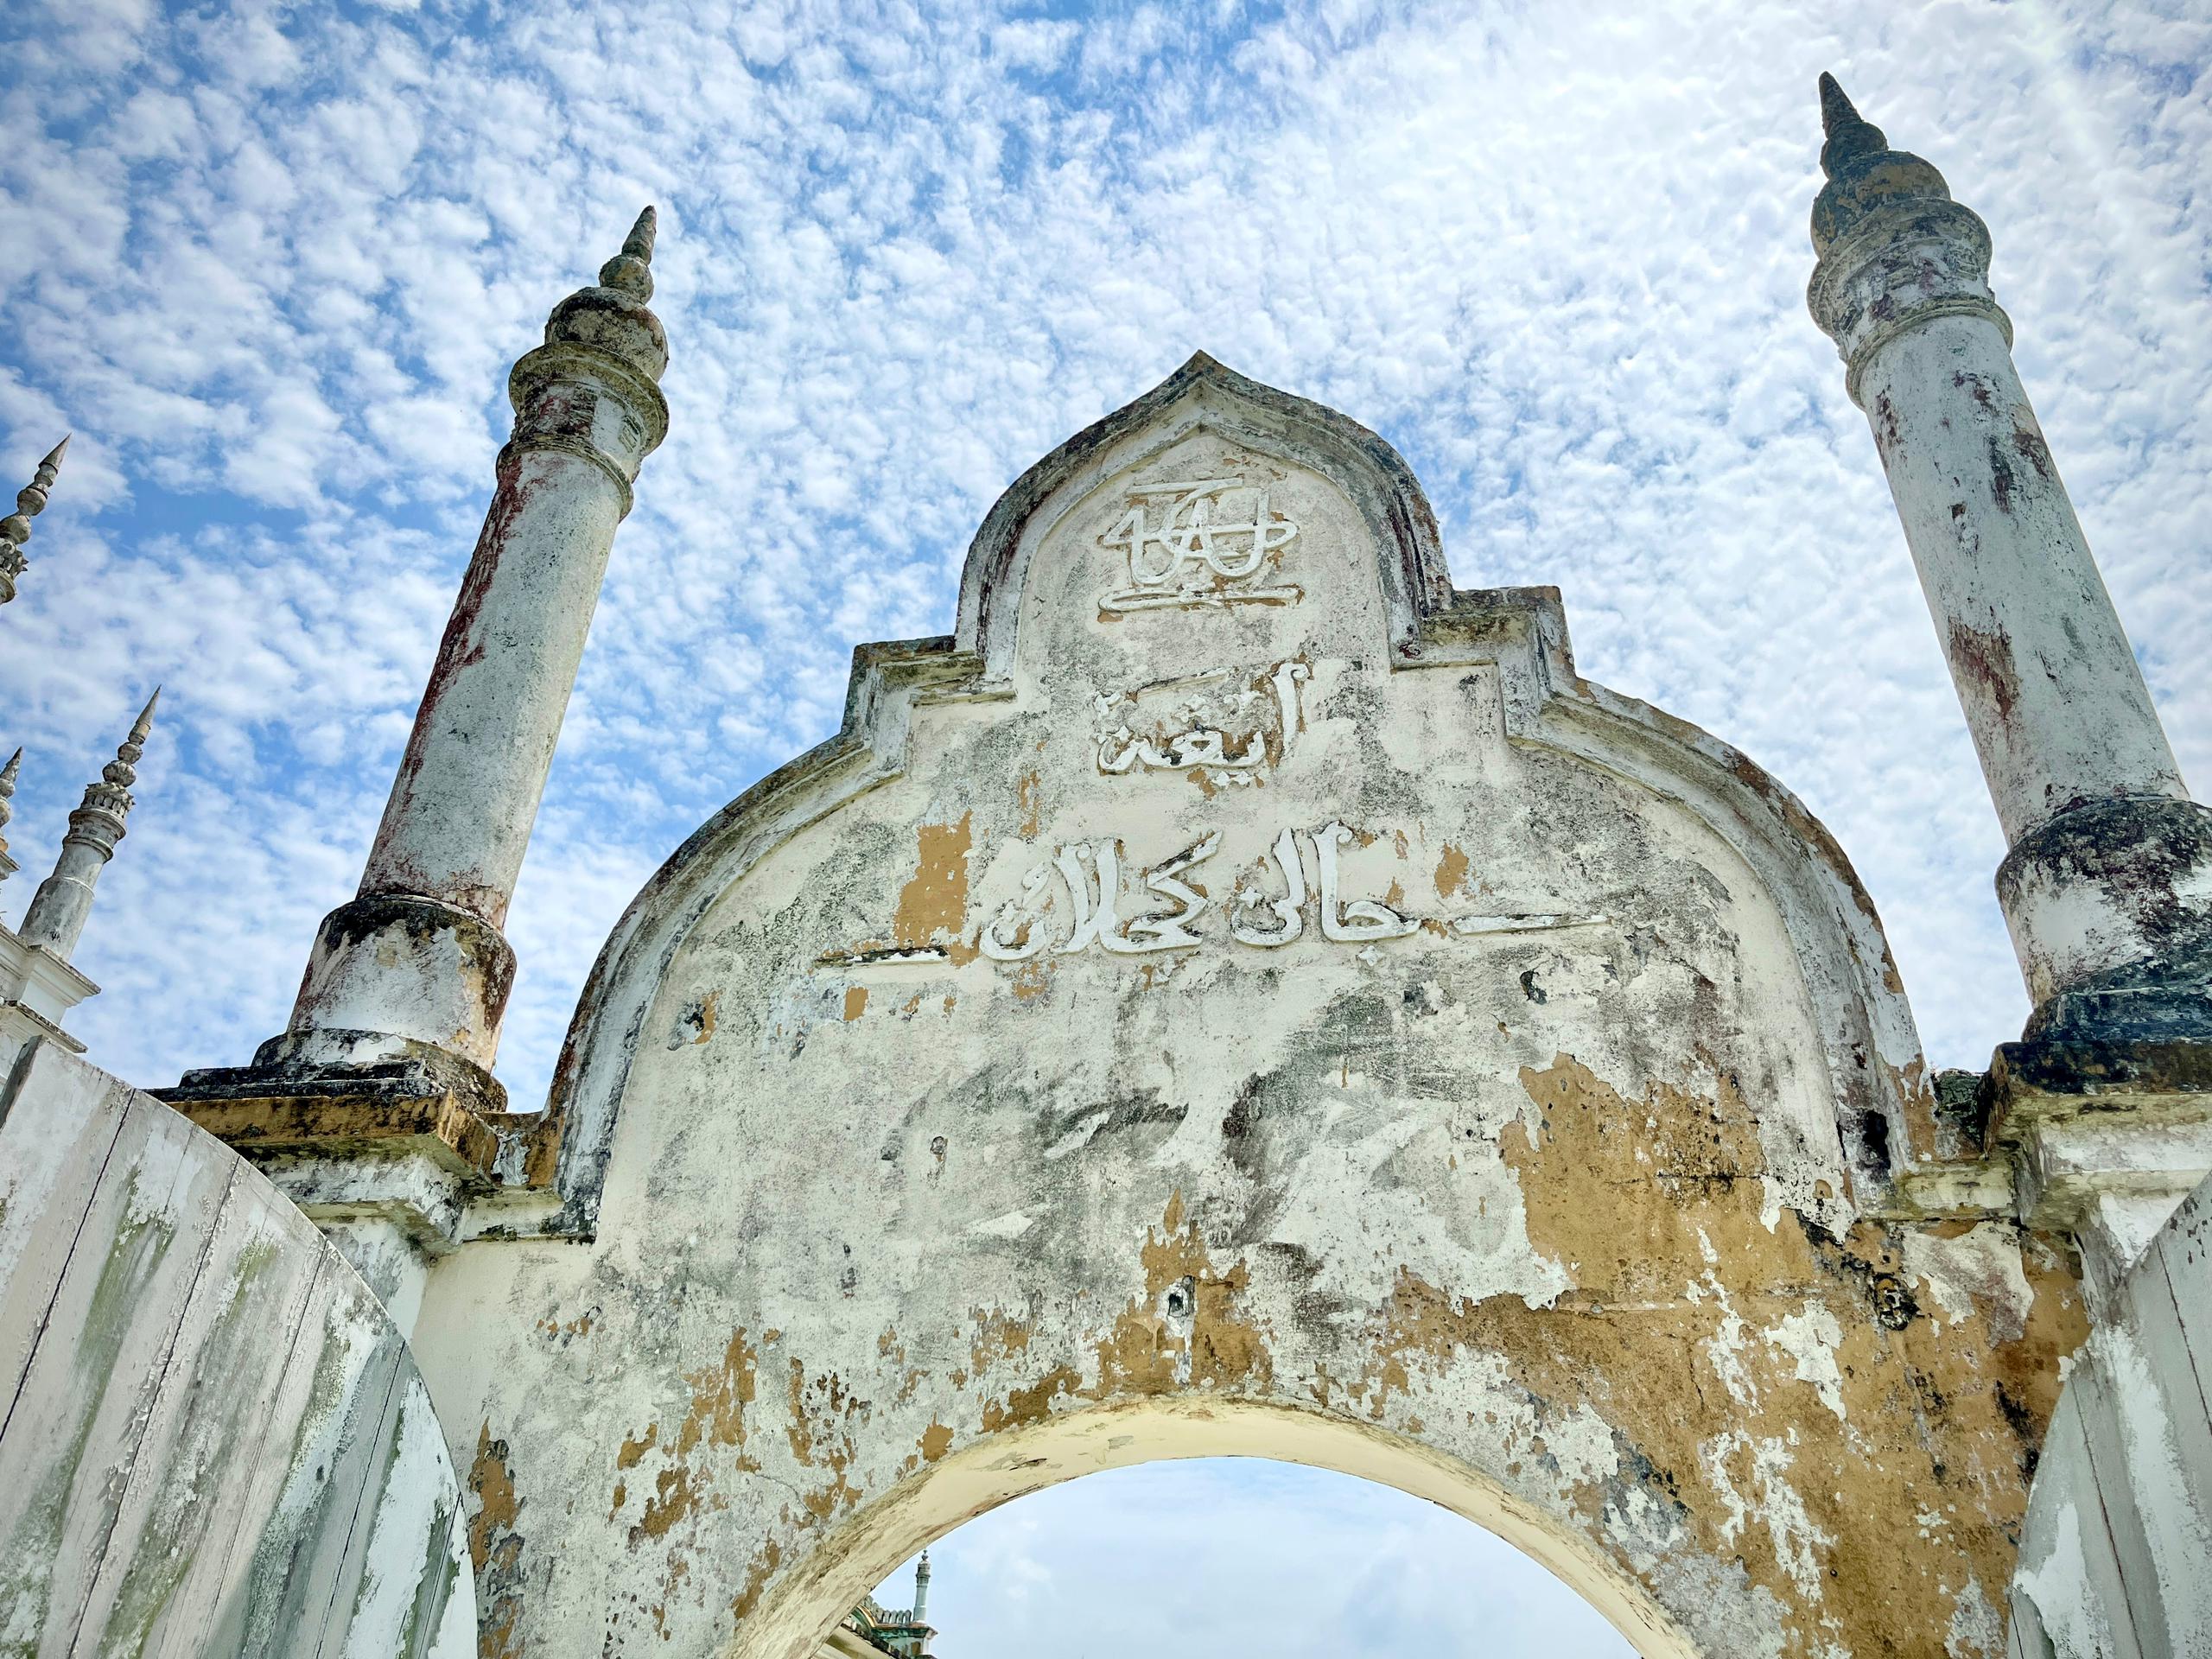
column 1044, row 1096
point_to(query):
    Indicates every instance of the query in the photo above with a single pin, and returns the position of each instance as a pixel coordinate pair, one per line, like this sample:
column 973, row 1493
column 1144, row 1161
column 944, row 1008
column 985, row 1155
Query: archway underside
column 1002, row 1468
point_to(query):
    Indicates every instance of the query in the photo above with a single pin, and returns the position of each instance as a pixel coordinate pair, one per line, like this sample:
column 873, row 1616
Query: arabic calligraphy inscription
column 1208, row 708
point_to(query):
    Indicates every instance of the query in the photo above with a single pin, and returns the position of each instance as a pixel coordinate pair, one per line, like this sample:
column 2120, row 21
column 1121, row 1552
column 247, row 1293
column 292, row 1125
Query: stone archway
column 1070, row 1445
column 1238, row 979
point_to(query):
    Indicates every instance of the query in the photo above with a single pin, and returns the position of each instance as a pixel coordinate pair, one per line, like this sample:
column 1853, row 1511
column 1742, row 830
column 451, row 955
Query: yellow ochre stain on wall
column 1451, row 871
column 933, row 904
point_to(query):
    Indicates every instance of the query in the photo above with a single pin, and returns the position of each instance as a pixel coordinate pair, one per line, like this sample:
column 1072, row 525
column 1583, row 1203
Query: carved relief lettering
column 1230, row 730
column 1100, row 902
column 1199, row 544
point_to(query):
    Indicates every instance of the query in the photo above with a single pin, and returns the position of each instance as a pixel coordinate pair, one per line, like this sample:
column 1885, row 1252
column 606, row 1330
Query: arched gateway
column 1239, row 995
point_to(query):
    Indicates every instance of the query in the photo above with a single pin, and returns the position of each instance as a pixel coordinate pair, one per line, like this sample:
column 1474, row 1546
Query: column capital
column 1904, row 264
column 585, row 401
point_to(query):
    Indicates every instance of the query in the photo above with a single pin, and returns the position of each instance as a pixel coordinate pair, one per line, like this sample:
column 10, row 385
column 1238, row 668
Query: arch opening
column 812, row 1595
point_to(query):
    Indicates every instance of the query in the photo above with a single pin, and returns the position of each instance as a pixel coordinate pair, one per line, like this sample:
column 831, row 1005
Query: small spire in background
column 63, row 902
column 1848, row 132
column 631, row 271
column 7, row 794
column 15, row 528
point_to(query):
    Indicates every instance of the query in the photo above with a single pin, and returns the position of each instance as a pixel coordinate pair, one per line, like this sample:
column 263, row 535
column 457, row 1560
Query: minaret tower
column 2107, row 887
column 382, row 1080
column 15, row 528
column 415, row 967
column 922, row 1589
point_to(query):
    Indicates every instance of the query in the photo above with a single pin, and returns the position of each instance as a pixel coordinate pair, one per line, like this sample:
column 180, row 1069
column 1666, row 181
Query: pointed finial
column 122, row 771
column 611, row 316
column 631, row 271
column 15, row 528
column 1865, row 174
column 1836, row 106
column 1848, row 132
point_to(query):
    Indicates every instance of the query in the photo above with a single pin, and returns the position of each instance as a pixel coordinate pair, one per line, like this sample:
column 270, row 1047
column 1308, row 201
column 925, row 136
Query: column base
column 2164, row 1001
column 401, row 974
column 387, row 1153
column 2110, row 909
column 365, row 1068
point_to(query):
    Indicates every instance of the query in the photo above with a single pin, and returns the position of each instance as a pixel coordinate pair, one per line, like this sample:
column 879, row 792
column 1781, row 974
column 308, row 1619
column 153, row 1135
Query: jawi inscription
column 1269, row 906
column 1204, row 705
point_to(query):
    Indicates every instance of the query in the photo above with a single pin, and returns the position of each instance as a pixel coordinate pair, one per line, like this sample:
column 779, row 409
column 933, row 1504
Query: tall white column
column 2108, row 885
column 415, row 967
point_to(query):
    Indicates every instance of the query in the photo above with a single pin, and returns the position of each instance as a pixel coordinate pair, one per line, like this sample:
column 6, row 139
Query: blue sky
column 270, row 263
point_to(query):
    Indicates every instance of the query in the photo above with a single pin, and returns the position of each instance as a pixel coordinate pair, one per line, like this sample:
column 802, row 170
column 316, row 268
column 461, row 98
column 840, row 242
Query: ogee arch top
column 1203, row 393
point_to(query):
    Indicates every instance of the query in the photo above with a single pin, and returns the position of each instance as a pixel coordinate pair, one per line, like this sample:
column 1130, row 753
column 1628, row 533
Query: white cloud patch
column 271, row 264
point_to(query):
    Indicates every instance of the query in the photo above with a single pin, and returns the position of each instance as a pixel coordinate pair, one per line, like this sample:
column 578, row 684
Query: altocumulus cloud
column 270, row 263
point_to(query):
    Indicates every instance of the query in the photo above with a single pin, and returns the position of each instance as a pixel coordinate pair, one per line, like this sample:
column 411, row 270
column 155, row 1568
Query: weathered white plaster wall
column 215, row 1441
column 1480, row 1082
column 2117, row 1562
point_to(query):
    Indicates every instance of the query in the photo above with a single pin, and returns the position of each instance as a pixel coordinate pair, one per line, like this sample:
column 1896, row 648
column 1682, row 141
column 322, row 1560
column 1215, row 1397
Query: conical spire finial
column 122, row 772
column 15, row 528
column 631, row 271
column 1848, row 132
column 1863, row 174
column 1836, row 107
column 612, row 315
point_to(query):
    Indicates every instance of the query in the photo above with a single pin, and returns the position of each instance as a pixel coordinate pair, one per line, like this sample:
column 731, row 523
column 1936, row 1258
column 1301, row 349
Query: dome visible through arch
column 1234, row 1555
